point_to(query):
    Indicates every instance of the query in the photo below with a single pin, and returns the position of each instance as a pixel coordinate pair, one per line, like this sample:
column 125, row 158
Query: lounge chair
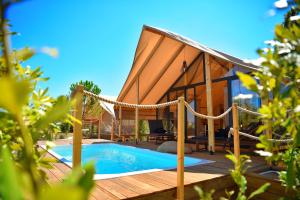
column 221, row 139
column 158, row 133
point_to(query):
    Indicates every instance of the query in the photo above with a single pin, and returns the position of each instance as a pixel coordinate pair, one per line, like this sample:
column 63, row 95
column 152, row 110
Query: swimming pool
column 114, row 160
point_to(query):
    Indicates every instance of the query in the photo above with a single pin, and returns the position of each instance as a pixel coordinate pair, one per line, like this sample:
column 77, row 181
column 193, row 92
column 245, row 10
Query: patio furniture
column 158, row 133
column 221, row 139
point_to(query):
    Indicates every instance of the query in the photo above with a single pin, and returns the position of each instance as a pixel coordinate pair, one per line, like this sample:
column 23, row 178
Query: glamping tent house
column 167, row 65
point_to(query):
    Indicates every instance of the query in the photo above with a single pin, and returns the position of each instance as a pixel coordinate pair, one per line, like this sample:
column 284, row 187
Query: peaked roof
column 158, row 63
column 201, row 47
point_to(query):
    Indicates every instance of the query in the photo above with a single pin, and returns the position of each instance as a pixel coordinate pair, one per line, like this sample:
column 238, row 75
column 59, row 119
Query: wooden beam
column 180, row 149
column 137, row 112
column 195, row 59
column 217, row 62
column 120, row 121
column 156, row 46
column 162, row 72
column 77, row 132
column 236, row 136
column 209, row 104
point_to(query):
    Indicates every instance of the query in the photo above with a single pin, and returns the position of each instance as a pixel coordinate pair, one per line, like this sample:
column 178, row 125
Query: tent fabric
column 158, row 63
column 109, row 108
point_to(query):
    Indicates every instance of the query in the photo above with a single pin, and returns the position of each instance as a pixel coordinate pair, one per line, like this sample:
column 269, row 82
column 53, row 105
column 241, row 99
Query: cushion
column 171, row 147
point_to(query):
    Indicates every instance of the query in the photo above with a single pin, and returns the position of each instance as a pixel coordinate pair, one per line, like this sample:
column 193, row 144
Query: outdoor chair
column 221, row 139
column 158, row 133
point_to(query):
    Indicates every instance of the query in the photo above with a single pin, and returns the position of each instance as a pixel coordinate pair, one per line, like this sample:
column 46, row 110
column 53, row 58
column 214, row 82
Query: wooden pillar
column 91, row 128
column 77, row 131
column 180, row 149
column 120, row 121
column 137, row 112
column 99, row 126
column 112, row 133
column 209, row 104
column 236, row 136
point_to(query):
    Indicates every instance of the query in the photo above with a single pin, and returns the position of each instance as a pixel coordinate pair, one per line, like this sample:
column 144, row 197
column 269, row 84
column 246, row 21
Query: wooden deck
column 162, row 184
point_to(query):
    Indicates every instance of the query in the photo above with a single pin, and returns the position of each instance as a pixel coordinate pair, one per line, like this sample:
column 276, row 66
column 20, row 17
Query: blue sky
column 96, row 39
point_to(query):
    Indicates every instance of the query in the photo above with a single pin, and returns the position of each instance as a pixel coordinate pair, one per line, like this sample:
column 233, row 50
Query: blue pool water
column 115, row 158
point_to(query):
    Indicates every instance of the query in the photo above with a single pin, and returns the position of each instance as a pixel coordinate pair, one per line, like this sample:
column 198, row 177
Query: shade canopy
column 160, row 59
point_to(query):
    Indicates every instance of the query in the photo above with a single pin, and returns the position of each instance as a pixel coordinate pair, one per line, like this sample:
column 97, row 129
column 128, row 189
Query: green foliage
column 204, row 195
column 90, row 106
column 88, row 85
column 240, row 168
column 279, row 81
column 28, row 114
column 237, row 174
column 143, row 127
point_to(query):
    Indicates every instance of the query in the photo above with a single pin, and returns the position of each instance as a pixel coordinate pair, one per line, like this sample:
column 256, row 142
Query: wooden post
column 77, row 131
column 112, row 133
column 137, row 112
column 236, row 136
column 120, row 121
column 99, row 126
column 91, row 128
column 136, row 125
column 180, row 149
column 209, row 104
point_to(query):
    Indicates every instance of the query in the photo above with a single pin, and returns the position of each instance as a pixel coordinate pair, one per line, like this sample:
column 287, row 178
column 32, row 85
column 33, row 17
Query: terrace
column 163, row 184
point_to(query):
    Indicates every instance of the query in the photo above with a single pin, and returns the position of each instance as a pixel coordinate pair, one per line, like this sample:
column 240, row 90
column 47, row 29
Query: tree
column 88, row 85
column 89, row 104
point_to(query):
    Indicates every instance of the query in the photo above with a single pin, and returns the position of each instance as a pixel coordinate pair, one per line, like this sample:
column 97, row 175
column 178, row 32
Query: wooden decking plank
column 132, row 186
column 57, row 173
column 152, row 181
column 161, row 179
column 169, row 178
column 101, row 194
column 51, row 177
column 115, row 189
column 141, row 184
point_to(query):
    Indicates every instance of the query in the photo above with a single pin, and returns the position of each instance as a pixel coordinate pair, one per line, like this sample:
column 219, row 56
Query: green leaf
column 82, row 178
column 14, row 94
column 290, row 173
column 260, row 190
column 59, row 111
column 23, row 54
column 62, row 192
column 248, row 81
column 272, row 83
column 9, row 184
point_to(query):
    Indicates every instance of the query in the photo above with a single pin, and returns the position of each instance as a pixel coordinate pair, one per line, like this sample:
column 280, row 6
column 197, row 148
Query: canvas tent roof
column 109, row 108
column 158, row 63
